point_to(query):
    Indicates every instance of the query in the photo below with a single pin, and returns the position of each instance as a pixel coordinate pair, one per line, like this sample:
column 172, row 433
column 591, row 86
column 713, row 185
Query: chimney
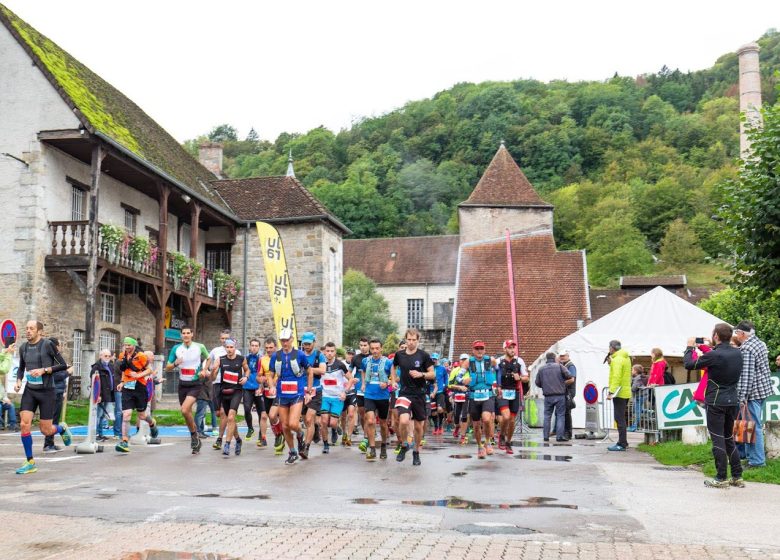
column 749, row 92
column 210, row 157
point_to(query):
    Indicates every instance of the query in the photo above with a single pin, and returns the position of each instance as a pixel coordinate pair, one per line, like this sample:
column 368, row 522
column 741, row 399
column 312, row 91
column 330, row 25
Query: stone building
column 76, row 155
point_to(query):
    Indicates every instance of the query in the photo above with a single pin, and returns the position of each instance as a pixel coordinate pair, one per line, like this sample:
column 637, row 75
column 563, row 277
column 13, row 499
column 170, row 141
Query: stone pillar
column 749, row 92
column 210, row 157
column 772, row 439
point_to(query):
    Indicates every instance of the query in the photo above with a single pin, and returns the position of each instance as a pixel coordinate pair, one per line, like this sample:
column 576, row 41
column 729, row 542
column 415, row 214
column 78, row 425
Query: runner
column 350, row 407
column 136, row 373
column 313, row 407
column 335, row 383
column 376, row 370
column 294, row 387
column 216, row 382
column 188, row 356
column 360, row 397
column 233, row 371
column 480, row 379
column 416, row 368
column 511, row 372
column 38, row 360
column 460, row 400
column 270, row 399
column 393, row 421
column 440, row 396
column 252, row 393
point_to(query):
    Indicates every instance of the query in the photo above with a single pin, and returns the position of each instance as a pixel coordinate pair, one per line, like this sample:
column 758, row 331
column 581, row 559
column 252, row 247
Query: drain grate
column 671, row 468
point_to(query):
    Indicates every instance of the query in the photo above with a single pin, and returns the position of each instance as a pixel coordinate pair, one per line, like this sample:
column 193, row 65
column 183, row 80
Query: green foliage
column 365, row 310
column 680, row 246
column 391, row 343
column 223, row 133
column 734, row 305
column 616, row 248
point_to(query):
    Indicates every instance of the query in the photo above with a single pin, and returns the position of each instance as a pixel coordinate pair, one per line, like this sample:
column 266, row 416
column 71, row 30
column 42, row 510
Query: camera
column 699, row 340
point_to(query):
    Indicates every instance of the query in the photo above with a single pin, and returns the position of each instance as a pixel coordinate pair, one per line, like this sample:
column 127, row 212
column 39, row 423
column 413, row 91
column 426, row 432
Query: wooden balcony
column 70, row 245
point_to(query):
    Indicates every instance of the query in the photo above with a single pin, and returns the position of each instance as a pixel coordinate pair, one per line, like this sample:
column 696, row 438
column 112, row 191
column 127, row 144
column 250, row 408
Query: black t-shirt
column 507, row 371
column 230, row 367
column 419, row 361
column 357, row 362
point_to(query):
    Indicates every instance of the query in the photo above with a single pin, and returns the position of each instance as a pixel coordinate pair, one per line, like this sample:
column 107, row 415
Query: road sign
column 591, row 393
column 8, row 332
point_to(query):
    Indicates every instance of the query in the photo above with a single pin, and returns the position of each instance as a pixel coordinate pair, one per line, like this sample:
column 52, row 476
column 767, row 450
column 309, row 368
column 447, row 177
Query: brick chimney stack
column 210, row 157
column 749, row 92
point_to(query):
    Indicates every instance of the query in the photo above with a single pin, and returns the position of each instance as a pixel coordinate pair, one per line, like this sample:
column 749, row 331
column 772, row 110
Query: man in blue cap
column 313, row 407
column 440, row 398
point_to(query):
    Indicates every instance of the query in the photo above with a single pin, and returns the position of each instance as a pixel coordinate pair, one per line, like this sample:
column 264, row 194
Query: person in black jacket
column 106, row 369
column 724, row 367
column 60, row 385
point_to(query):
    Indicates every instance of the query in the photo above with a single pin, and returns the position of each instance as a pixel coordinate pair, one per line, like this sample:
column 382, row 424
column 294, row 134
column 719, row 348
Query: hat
column 509, row 344
column 285, row 334
column 434, row 356
column 563, row 352
column 130, row 340
column 463, row 356
column 308, row 338
column 477, row 344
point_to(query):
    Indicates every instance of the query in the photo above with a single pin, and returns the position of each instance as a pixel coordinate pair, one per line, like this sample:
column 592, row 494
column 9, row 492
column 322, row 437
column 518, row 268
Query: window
column 414, row 313
column 78, row 199
column 107, row 307
column 107, row 339
column 218, row 257
column 78, row 341
column 131, row 218
column 154, row 236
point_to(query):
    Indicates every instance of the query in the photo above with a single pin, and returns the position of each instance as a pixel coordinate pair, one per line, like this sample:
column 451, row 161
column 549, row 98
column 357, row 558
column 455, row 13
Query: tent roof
column 657, row 319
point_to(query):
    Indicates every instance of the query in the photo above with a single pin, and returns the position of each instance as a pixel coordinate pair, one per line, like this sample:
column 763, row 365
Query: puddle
column 365, row 501
column 175, row 555
column 254, row 497
column 545, row 444
column 459, row 474
column 538, row 457
column 458, row 503
column 460, row 456
column 104, row 496
column 493, row 529
column 433, row 447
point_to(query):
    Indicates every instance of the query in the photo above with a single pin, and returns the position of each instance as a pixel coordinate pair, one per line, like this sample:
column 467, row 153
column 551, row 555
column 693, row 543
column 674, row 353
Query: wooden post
column 89, row 328
column 194, row 226
column 159, row 334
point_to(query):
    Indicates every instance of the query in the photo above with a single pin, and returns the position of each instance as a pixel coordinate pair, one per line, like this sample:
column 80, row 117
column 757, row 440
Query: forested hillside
column 632, row 164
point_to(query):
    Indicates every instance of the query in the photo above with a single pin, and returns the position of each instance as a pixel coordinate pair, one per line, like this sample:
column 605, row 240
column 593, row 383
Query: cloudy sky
column 294, row 65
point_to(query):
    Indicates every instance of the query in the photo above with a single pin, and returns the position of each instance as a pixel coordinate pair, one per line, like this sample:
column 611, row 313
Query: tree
column 616, row 248
column 365, row 310
column 680, row 246
column 763, row 309
column 223, row 133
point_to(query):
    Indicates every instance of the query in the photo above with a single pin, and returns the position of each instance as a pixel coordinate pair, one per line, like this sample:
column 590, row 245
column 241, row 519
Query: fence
column 640, row 413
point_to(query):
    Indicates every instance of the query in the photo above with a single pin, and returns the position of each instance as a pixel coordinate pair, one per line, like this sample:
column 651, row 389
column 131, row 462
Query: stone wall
column 483, row 223
column 397, row 296
column 211, row 322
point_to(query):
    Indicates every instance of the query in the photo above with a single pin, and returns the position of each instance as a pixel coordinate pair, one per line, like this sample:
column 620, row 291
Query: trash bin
column 534, row 412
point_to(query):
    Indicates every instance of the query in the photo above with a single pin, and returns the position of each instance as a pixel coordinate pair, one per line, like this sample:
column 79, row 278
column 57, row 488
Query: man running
column 267, row 378
column 136, row 373
column 460, row 400
column 38, row 360
column 350, row 407
column 416, row 368
column 335, row 382
column 360, row 397
column 294, row 387
column 440, row 397
column 233, row 371
column 252, row 393
column 313, row 407
column 376, row 370
column 480, row 379
column 511, row 373
column 188, row 356
column 216, row 384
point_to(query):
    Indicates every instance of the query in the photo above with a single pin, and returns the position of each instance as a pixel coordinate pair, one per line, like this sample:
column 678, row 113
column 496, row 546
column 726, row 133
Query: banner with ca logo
column 676, row 408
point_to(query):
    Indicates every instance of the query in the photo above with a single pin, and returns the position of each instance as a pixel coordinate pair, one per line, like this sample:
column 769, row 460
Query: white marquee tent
column 657, row 319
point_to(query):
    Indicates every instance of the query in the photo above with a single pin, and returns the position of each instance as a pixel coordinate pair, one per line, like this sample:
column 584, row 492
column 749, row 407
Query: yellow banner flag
column 279, row 287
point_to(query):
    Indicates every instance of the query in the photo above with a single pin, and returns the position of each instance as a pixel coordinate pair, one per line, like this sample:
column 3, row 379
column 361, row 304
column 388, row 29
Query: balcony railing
column 73, row 239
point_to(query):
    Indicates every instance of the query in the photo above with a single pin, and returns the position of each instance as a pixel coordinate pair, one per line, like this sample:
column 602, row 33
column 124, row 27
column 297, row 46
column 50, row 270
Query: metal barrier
column 641, row 416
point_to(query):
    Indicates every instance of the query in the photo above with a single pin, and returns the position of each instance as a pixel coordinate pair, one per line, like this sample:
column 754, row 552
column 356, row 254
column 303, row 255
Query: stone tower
column 749, row 92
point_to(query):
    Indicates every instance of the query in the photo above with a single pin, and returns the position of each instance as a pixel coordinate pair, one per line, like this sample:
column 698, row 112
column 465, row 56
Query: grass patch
column 676, row 453
column 78, row 411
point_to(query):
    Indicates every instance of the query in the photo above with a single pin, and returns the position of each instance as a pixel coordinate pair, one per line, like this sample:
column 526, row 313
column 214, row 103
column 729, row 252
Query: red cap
column 477, row 344
column 509, row 344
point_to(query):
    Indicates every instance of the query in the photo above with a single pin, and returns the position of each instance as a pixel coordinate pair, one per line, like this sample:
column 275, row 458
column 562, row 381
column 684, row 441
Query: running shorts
column 315, row 403
column 231, row 402
column 412, row 404
column 360, row 400
column 513, row 405
column 476, row 408
column 380, row 407
column 287, row 402
column 135, row 399
column 330, row 405
column 351, row 400
column 189, row 391
column 461, row 412
column 441, row 401
column 41, row 400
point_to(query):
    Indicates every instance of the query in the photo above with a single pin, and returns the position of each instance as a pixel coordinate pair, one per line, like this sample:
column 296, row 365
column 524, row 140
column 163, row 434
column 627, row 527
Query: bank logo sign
column 675, row 407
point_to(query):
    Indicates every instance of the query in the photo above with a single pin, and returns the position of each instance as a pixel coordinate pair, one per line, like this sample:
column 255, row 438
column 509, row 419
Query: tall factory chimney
column 749, row 92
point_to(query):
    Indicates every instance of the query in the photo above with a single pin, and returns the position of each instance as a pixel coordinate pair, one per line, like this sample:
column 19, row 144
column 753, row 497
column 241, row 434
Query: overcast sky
column 294, row 65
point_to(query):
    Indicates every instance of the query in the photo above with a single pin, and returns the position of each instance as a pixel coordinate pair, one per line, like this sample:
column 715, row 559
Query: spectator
column 117, row 403
column 638, row 382
column 6, row 405
column 619, row 390
column 105, row 370
column 553, row 379
column 724, row 366
column 777, row 362
column 754, row 387
column 656, row 377
column 571, row 390
column 60, row 384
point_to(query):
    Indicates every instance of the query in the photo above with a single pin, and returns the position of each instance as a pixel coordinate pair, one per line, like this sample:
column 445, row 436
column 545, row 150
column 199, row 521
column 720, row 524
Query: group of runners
column 307, row 395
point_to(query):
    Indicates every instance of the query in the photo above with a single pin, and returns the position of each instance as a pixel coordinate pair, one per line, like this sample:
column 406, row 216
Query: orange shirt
column 139, row 362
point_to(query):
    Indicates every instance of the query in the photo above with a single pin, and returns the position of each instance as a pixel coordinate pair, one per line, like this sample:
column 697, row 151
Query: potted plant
column 139, row 251
column 231, row 291
column 110, row 238
column 221, row 278
column 180, row 265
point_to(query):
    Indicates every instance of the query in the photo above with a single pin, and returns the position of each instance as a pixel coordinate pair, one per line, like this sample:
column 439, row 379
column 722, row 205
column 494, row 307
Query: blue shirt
column 287, row 376
column 442, row 377
column 315, row 359
column 252, row 360
column 375, row 376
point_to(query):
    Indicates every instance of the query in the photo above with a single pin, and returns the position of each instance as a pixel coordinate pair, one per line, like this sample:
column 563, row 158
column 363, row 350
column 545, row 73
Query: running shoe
column 304, row 451
column 464, row 440
column 481, row 452
column 316, row 438
column 508, row 449
column 279, row 448
column 456, row 432
column 28, row 467
column 716, row 483
column 262, row 442
column 416, row 458
column 326, row 448
column 334, row 436
column 355, row 431
column 343, row 439
column 383, row 451
column 397, row 449
column 738, row 482
column 196, row 444
column 347, row 443
column 279, row 441
column 239, row 443
column 226, row 449
column 249, row 433
column 67, row 436
column 300, row 440
column 489, row 449
column 203, row 435
column 154, row 431
column 122, row 447
column 618, row 447
column 363, row 445
column 402, row 453
column 291, row 458
column 51, row 448
column 371, row 454
column 491, row 441
column 217, row 445
column 339, row 431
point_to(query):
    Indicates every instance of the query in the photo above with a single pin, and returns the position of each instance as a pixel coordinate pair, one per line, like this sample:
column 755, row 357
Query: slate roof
column 504, row 184
column 273, row 198
column 102, row 109
column 404, row 260
column 551, row 295
column 607, row 300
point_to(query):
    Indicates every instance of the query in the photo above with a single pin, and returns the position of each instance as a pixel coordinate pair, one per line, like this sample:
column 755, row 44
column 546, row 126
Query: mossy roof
column 104, row 109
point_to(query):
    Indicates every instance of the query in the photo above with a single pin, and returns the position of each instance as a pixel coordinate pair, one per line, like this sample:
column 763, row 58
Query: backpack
column 668, row 377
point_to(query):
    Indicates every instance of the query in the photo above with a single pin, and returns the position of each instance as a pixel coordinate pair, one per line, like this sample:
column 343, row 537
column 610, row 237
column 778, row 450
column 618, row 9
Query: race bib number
column 402, row 402
column 329, row 382
column 130, row 385
column 269, row 392
column 230, row 377
column 187, row 374
column 481, row 395
column 289, row 387
column 459, row 397
column 508, row 394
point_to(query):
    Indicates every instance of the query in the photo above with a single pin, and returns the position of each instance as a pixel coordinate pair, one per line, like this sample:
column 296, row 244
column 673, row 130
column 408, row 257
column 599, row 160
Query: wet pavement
column 576, row 495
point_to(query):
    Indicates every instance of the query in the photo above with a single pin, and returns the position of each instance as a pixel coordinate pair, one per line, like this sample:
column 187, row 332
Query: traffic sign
column 590, row 393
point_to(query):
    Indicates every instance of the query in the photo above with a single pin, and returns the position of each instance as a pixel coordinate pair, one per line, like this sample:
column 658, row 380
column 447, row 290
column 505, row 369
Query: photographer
column 724, row 367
